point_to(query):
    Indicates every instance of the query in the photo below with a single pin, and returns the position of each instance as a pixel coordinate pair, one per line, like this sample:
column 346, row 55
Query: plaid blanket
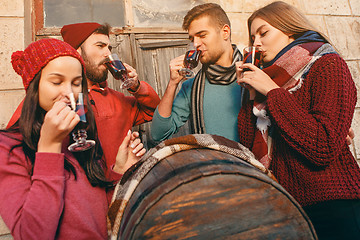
column 125, row 188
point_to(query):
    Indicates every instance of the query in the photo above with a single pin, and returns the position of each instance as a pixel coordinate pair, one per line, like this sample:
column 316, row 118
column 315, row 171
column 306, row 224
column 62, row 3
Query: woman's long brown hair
column 29, row 125
column 284, row 17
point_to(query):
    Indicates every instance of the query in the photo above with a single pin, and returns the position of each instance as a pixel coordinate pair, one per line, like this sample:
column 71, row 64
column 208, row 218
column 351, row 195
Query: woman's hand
column 255, row 77
column 239, row 75
column 59, row 121
column 350, row 136
column 130, row 151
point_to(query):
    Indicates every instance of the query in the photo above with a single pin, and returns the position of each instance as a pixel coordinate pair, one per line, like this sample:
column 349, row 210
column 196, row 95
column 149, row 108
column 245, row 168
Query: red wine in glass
column 191, row 60
column 253, row 55
column 79, row 133
column 117, row 69
column 119, row 72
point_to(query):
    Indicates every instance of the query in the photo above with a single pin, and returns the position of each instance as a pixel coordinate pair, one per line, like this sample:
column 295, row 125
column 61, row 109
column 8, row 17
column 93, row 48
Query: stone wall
column 339, row 19
column 12, row 37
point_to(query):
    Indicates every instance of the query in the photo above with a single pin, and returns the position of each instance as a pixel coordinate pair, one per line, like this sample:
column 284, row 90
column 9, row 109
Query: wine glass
column 253, row 55
column 79, row 133
column 119, row 72
column 191, row 60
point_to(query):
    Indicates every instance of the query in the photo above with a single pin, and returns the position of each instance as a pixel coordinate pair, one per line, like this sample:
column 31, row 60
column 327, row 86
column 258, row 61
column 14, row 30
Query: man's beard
column 92, row 70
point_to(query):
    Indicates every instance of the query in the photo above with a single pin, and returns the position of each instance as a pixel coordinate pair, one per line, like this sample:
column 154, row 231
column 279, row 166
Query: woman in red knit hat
column 301, row 107
column 48, row 192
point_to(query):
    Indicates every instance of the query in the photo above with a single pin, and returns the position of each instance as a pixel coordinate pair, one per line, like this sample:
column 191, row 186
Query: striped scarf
column 288, row 72
column 215, row 74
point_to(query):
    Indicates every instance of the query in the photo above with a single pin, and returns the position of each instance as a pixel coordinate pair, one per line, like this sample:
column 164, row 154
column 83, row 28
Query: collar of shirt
column 99, row 87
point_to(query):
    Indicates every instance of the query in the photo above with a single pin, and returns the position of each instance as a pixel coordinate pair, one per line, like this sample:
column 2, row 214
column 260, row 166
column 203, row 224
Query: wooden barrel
column 208, row 194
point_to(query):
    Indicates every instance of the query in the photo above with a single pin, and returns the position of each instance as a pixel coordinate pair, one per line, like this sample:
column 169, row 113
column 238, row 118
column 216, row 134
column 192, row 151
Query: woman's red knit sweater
column 310, row 157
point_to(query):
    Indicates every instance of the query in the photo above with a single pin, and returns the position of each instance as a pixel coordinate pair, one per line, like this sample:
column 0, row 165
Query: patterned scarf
column 215, row 74
column 133, row 176
column 288, row 70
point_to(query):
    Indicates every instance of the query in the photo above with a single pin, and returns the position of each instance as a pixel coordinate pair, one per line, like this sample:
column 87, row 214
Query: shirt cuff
column 142, row 90
column 137, row 90
column 114, row 176
column 276, row 91
column 49, row 164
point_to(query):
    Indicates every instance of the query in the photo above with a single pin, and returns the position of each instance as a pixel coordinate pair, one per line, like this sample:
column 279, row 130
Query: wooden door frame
column 39, row 29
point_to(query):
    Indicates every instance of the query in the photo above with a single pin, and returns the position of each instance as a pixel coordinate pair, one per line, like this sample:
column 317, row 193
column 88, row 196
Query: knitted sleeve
column 316, row 130
column 246, row 125
column 162, row 128
column 31, row 206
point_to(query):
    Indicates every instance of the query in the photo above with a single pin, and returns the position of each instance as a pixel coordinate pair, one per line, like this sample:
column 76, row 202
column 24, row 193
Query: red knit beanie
column 76, row 34
column 29, row 62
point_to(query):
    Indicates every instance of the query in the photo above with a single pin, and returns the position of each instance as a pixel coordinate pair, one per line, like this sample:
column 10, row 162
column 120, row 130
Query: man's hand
column 175, row 65
column 165, row 105
column 131, row 73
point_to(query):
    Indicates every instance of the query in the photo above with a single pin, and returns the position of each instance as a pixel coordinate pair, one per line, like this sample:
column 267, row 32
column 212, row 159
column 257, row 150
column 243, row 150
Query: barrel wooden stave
column 206, row 194
column 159, row 175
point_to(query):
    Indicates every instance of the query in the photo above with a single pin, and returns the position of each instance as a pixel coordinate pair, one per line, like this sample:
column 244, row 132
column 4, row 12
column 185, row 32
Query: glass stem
column 80, row 136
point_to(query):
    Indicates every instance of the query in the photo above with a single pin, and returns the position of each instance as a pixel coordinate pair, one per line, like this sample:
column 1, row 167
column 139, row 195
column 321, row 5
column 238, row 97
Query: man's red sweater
column 116, row 113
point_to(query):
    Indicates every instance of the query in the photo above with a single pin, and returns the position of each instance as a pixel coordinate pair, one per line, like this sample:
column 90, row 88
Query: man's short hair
column 213, row 10
column 103, row 29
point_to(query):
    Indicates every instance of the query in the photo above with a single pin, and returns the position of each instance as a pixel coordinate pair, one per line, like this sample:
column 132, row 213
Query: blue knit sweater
column 221, row 107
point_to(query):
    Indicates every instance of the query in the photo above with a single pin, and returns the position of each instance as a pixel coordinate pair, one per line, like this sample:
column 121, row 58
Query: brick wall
column 339, row 19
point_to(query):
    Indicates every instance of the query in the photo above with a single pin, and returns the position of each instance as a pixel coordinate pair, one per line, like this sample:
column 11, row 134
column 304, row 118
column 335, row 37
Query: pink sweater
column 50, row 204
column 310, row 157
column 115, row 114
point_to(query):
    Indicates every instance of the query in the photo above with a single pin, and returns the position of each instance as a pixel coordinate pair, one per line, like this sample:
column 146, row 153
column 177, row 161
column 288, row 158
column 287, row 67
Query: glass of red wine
column 191, row 60
column 253, row 55
column 79, row 133
column 119, row 72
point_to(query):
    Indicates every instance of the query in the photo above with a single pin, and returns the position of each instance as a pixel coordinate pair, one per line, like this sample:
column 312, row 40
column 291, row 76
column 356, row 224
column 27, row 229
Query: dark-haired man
column 114, row 112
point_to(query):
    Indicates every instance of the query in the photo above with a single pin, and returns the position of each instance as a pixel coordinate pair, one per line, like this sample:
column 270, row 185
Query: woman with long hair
column 48, row 192
column 296, row 122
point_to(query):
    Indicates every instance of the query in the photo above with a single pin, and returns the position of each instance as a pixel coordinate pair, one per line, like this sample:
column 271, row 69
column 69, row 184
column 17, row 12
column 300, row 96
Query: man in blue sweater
column 212, row 99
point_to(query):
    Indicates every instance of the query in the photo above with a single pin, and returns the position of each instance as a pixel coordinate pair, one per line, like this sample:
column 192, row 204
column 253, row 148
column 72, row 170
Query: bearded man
column 115, row 113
